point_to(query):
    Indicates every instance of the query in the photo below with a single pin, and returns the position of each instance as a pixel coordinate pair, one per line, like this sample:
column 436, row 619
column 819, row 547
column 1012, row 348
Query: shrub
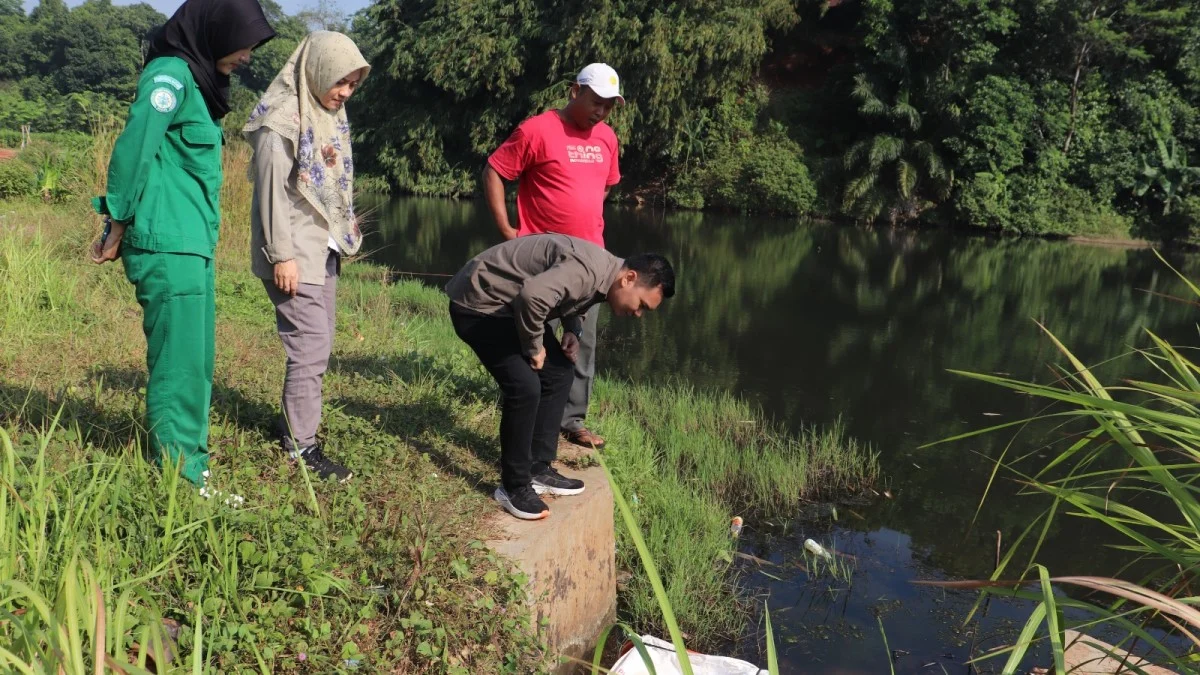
column 373, row 183
column 744, row 165
column 17, row 179
column 60, row 164
column 1035, row 203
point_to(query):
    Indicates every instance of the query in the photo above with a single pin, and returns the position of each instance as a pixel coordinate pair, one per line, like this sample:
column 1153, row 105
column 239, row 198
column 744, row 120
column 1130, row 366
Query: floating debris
column 735, row 526
column 816, row 549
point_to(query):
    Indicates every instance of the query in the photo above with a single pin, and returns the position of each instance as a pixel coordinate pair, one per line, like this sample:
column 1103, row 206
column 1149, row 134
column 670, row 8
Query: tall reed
column 237, row 194
column 1132, row 465
column 665, row 606
column 105, row 131
column 58, row 612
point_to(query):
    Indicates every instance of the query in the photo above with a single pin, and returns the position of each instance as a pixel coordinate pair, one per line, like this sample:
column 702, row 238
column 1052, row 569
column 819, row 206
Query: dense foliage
column 1049, row 113
column 58, row 66
column 1025, row 116
column 62, row 68
column 1068, row 116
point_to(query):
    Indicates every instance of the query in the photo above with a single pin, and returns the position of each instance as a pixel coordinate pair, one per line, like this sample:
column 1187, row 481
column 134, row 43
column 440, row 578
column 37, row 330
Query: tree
column 452, row 79
column 325, row 15
column 1167, row 172
column 893, row 172
column 99, row 52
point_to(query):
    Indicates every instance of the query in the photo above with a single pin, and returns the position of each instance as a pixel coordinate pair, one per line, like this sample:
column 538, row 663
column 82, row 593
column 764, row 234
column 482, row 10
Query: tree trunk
column 1080, row 62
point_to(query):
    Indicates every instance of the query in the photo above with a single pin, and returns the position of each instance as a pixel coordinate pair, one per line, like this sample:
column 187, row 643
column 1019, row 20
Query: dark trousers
column 533, row 400
column 585, row 372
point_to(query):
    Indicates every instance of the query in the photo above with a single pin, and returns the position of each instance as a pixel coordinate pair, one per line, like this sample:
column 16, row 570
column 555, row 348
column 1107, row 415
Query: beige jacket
column 283, row 225
column 534, row 279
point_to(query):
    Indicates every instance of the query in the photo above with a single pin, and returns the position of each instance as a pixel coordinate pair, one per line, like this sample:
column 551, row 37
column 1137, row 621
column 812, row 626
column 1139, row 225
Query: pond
column 819, row 323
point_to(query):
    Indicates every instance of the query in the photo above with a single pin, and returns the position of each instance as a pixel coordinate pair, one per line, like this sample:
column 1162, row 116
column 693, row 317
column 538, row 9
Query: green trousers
column 176, row 292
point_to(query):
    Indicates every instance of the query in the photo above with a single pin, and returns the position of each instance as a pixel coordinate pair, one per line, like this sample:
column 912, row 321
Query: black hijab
column 203, row 31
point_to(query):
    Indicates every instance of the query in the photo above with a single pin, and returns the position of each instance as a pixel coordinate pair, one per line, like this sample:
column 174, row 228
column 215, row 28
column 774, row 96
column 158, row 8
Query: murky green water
column 817, row 323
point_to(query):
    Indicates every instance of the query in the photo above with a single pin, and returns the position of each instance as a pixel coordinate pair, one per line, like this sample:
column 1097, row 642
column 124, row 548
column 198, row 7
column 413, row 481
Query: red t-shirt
column 564, row 172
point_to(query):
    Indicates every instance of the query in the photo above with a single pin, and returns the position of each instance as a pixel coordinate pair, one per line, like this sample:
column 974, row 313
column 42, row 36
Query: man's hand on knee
column 538, row 360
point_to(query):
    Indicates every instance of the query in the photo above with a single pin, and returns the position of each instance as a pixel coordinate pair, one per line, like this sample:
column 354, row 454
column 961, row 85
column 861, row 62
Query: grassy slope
column 407, row 407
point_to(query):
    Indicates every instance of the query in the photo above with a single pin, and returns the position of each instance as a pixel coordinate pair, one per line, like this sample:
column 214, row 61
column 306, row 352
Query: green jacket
column 165, row 170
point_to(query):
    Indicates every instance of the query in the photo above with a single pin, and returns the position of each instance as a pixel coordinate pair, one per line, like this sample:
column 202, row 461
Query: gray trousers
column 585, row 371
column 306, row 324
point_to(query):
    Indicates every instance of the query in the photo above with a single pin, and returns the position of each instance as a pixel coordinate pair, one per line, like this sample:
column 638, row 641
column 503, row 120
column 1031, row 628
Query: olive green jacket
column 535, row 279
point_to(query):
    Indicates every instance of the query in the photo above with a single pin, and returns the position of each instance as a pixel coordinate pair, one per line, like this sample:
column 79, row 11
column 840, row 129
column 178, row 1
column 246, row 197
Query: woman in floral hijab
column 303, row 221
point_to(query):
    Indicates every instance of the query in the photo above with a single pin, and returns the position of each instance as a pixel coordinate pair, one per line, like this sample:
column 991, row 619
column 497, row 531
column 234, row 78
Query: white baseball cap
column 603, row 80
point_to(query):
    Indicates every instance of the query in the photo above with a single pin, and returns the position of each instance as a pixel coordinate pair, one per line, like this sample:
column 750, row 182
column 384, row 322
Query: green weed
column 387, row 572
column 1130, row 464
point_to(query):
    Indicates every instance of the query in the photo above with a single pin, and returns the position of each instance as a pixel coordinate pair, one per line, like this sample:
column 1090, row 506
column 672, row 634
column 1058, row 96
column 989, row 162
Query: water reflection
column 816, row 323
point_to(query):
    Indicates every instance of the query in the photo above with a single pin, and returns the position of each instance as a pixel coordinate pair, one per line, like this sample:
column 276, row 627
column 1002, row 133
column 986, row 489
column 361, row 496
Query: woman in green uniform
column 162, row 208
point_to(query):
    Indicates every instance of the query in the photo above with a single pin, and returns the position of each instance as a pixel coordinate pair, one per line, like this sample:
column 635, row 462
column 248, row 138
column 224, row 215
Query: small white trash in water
column 735, row 526
column 817, row 549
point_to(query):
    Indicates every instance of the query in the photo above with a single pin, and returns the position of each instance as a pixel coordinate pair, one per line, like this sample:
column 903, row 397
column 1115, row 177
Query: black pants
column 533, row 400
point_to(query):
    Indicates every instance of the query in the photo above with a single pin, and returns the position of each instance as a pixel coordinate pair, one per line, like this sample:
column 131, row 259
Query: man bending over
column 501, row 304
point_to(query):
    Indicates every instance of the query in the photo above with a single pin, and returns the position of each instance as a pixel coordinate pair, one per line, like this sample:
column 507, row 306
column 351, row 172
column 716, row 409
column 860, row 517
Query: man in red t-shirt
column 566, row 162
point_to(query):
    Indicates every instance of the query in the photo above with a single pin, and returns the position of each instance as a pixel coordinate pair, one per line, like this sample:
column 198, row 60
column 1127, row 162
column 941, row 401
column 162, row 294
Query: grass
column 1130, row 462
column 387, row 573
column 695, row 459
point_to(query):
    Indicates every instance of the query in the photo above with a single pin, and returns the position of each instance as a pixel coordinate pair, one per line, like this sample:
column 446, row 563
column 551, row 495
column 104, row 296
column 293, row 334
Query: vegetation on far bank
column 1074, row 117
column 1069, row 118
column 387, row 572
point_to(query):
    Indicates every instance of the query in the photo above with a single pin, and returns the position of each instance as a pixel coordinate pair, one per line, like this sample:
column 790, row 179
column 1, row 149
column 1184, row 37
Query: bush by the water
column 736, row 161
column 371, row 183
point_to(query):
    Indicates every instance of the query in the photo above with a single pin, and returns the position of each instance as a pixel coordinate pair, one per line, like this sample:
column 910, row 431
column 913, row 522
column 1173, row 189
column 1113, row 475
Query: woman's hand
column 108, row 248
column 287, row 277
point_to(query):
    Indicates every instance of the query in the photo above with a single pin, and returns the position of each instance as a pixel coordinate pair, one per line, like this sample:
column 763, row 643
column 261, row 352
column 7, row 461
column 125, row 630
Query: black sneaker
column 316, row 461
column 552, row 482
column 522, row 503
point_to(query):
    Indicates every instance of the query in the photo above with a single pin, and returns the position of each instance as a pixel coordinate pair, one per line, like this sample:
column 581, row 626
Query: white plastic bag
column 662, row 653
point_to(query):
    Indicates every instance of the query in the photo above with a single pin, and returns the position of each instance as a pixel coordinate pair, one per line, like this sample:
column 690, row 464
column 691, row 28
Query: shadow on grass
column 111, row 428
column 108, row 411
column 109, row 408
column 247, row 414
column 427, row 422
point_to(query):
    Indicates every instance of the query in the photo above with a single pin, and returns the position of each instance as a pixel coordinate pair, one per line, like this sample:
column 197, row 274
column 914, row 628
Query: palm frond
column 856, row 153
column 869, row 103
column 934, row 167
column 905, row 113
column 906, row 178
column 857, row 187
column 885, row 148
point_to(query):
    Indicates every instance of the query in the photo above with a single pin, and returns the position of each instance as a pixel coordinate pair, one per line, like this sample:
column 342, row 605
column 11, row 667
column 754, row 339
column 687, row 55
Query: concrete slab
column 570, row 559
column 1085, row 655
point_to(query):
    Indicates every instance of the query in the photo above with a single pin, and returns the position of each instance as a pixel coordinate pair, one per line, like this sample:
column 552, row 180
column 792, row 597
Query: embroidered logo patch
column 163, row 100
column 167, row 79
